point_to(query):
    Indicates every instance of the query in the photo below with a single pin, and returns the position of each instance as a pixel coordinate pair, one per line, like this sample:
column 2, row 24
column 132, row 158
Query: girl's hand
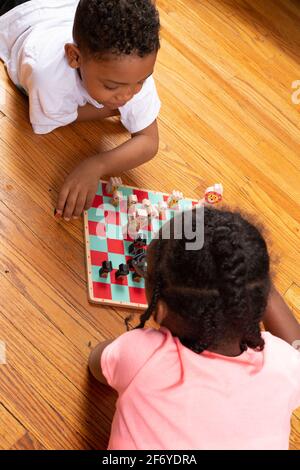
column 279, row 319
column 79, row 189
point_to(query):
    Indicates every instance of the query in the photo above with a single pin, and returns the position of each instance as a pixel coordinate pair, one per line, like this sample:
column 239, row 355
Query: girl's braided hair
column 217, row 293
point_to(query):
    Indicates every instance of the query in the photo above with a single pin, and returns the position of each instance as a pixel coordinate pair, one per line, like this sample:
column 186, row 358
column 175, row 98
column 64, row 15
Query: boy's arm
column 80, row 187
column 90, row 113
column 95, row 361
column 138, row 150
column 279, row 320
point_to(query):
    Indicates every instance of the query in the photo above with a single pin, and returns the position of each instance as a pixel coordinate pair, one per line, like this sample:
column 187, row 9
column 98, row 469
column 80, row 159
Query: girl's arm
column 95, row 361
column 279, row 319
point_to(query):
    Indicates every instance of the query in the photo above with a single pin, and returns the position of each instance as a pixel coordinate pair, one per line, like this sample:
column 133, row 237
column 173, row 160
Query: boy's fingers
column 89, row 200
column 70, row 206
column 62, row 197
column 79, row 204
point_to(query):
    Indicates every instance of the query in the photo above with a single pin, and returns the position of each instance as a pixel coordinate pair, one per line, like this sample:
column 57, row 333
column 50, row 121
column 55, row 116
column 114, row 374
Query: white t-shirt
column 32, row 39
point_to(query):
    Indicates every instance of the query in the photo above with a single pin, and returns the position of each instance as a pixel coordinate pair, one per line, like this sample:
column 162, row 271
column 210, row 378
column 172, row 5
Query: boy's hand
column 79, row 189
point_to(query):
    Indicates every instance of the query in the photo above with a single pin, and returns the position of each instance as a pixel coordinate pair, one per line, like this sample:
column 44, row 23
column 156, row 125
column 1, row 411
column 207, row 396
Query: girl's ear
column 161, row 312
column 73, row 55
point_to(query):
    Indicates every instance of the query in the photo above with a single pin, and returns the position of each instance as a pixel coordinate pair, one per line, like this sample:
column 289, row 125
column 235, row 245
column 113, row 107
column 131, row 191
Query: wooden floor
column 224, row 76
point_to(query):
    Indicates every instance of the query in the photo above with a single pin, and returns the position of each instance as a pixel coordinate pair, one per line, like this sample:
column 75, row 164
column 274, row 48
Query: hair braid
column 157, row 286
column 231, row 267
column 229, row 255
column 152, row 306
column 156, row 293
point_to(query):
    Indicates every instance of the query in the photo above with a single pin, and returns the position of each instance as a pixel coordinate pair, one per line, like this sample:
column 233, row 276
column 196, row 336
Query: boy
column 82, row 60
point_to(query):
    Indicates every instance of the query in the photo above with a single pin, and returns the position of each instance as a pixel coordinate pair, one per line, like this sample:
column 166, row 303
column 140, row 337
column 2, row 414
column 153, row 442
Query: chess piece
column 150, row 208
column 113, row 184
column 214, row 194
column 174, row 198
column 136, row 277
column 138, row 243
column 123, row 271
column 162, row 208
column 132, row 211
column 117, row 195
column 142, row 218
column 105, row 269
column 132, row 199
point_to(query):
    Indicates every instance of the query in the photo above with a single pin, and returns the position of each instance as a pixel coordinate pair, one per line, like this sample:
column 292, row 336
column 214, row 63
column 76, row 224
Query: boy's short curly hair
column 117, row 26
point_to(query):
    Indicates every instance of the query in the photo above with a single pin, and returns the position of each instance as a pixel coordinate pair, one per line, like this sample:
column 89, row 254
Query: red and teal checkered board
column 106, row 238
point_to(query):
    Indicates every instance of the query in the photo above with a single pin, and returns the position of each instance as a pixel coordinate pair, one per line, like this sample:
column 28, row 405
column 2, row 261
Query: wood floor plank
column 295, row 433
column 27, row 442
column 10, row 428
column 79, row 415
column 35, row 413
column 28, row 265
column 60, row 352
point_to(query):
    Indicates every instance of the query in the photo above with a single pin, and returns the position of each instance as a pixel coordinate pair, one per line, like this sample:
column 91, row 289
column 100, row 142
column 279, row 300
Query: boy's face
column 114, row 80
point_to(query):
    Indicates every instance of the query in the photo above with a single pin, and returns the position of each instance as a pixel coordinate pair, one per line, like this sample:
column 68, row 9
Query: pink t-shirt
column 173, row 398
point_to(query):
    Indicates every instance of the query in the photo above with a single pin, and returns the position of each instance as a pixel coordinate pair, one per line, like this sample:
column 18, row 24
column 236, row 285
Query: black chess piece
column 105, row 269
column 136, row 277
column 123, row 271
column 138, row 243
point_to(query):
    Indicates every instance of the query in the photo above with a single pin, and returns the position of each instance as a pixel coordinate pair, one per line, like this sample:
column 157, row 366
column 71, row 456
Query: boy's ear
column 73, row 55
column 160, row 312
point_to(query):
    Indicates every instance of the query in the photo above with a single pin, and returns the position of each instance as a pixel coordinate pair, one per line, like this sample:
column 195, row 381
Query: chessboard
column 107, row 240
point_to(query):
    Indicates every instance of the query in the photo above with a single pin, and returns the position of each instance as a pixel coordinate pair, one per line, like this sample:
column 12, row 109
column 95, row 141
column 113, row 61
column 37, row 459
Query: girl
column 208, row 378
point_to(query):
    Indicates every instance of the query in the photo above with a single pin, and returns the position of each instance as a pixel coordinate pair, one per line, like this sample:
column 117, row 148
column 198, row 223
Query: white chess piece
column 214, row 194
column 147, row 206
column 133, row 228
column 117, row 195
column 113, row 185
column 162, row 208
column 174, row 199
column 132, row 199
column 155, row 213
column 132, row 211
column 142, row 218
